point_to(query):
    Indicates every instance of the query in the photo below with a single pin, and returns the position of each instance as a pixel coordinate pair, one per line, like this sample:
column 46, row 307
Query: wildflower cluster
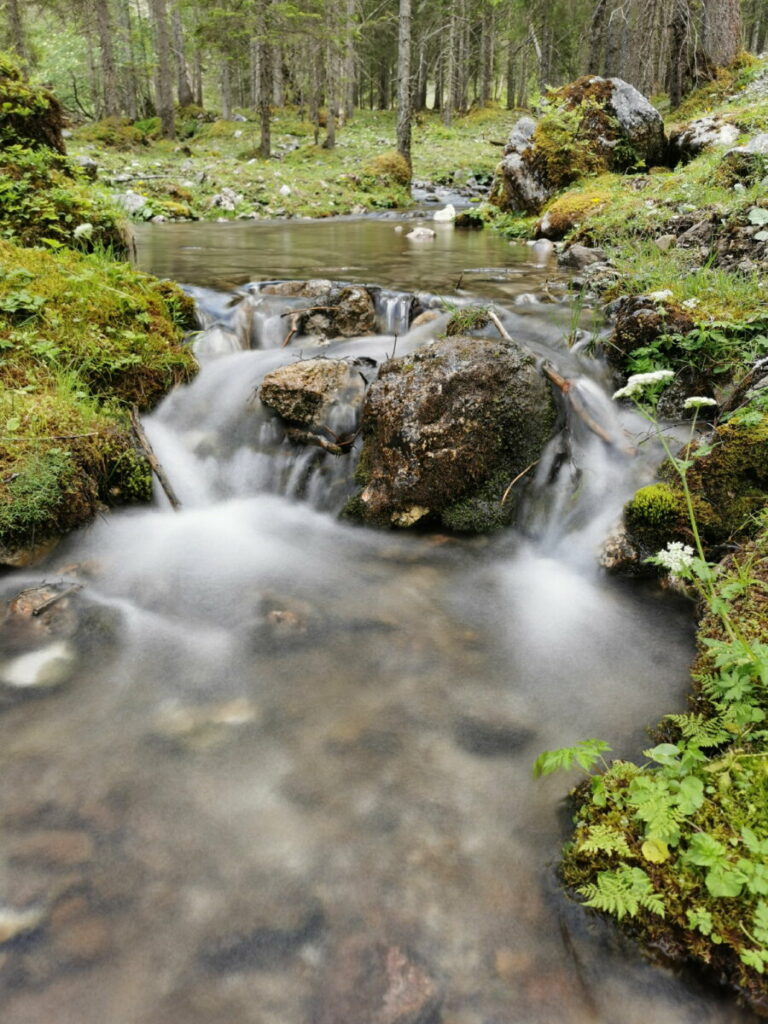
column 639, row 381
column 698, row 402
column 676, row 557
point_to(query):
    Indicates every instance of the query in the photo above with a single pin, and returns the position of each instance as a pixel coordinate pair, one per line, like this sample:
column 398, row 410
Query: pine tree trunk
column 129, row 85
column 183, row 85
column 110, row 96
column 722, row 36
column 404, row 81
column 486, row 57
column 225, row 84
column 449, row 74
column 164, row 68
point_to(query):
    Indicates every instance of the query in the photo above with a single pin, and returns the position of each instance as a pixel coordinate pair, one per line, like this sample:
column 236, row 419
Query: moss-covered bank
column 82, row 338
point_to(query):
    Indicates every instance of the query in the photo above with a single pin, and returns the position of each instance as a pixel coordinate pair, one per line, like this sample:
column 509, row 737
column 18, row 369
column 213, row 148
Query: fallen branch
column 152, row 459
column 566, row 387
column 56, row 598
column 309, row 309
column 498, row 325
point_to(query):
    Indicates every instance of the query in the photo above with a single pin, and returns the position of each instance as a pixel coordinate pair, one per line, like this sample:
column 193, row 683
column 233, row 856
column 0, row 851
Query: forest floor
column 187, row 179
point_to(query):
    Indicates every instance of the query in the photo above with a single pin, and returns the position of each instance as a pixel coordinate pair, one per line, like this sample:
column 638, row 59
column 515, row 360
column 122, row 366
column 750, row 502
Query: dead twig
column 566, row 387
column 519, row 476
column 152, row 459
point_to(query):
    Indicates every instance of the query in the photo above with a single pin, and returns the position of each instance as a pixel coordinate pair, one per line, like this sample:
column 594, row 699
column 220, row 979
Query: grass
column 322, row 182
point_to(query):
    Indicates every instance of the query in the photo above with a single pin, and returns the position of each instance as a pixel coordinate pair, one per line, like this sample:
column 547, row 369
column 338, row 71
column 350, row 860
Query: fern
column 701, row 731
column 622, row 892
column 604, row 839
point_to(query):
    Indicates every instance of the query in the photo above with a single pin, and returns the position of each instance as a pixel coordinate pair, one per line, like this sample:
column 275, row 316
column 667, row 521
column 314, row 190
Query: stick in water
column 157, row 469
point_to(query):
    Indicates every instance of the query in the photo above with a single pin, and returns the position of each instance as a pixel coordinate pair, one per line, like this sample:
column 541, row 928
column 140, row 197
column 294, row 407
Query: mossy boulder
column 728, row 483
column 589, row 127
column 446, row 430
column 30, row 116
column 569, row 211
column 389, row 167
column 639, row 320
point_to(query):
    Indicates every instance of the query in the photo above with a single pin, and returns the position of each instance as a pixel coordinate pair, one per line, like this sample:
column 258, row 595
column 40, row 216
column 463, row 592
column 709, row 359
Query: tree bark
column 404, row 103
column 16, row 33
column 110, row 98
column 722, row 33
column 129, row 84
column 163, row 68
column 225, row 81
column 183, row 85
column 449, row 77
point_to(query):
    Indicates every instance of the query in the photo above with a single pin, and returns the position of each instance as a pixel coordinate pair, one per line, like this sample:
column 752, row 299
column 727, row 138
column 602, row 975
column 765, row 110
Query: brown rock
column 447, row 429
column 78, row 934
column 299, row 289
column 375, row 983
column 303, row 392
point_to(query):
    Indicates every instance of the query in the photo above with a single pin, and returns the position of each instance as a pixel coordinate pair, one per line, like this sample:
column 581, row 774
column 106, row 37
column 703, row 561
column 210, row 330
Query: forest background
column 144, row 58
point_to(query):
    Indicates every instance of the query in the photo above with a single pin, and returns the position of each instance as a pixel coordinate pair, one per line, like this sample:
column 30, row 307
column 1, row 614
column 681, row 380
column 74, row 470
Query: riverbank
column 674, row 847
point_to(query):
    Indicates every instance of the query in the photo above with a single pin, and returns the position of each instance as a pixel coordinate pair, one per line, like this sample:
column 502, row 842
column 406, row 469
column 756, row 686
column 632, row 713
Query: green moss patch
column 82, row 338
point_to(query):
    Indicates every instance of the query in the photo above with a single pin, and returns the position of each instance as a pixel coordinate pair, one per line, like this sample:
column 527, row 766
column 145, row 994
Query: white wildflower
column 677, row 557
column 698, row 402
column 660, row 296
column 83, row 231
column 638, row 381
column 690, row 303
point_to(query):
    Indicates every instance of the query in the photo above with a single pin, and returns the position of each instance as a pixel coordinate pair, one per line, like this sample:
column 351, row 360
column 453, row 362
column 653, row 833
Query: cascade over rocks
column 334, row 312
column 447, row 430
column 591, row 126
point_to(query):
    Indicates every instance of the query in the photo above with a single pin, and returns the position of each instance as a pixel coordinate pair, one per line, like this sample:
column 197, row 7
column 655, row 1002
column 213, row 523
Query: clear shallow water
column 296, row 752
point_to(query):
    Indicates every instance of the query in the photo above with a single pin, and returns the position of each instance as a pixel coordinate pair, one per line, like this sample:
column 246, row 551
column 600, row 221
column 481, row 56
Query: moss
column 116, row 132
column 466, row 318
column 656, row 514
column 568, row 211
column 389, row 167
column 30, row 115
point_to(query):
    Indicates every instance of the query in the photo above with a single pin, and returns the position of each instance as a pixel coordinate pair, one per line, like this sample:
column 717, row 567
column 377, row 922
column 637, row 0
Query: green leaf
column 704, row 850
column 757, row 215
column 655, row 850
column 724, row 880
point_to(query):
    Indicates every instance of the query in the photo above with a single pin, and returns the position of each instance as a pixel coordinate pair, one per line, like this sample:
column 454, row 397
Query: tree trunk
column 225, row 81
column 722, row 34
column 486, row 57
column 449, row 76
column 265, row 100
column 254, row 54
column 278, row 85
column 16, row 34
column 404, row 104
column 163, row 68
column 129, row 85
column 183, row 86
column 110, row 100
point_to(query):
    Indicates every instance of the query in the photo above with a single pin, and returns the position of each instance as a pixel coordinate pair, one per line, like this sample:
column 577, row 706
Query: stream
column 290, row 780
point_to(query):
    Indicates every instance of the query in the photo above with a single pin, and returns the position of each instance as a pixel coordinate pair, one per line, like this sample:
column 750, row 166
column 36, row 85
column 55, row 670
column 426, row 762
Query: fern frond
column 604, row 839
column 622, row 892
column 703, row 732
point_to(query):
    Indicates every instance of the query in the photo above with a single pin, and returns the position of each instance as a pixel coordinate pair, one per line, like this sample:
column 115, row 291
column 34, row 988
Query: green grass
column 322, row 182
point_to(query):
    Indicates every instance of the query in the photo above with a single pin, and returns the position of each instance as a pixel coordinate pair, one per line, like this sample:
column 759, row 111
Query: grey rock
column 491, row 737
column 703, row 133
column 580, row 256
column 88, row 166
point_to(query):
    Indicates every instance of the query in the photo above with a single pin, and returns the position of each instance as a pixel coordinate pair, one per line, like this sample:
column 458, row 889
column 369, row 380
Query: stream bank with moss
column 675, row 847
column 83, row 336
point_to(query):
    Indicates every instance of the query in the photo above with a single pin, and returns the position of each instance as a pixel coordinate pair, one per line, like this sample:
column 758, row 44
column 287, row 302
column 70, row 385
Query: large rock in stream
column 588, row 127
column 447, row 430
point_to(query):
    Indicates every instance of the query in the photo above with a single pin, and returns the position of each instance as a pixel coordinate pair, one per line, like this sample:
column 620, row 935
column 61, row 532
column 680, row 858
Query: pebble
column 19, row 922
column 55, row 848
column 45, row 668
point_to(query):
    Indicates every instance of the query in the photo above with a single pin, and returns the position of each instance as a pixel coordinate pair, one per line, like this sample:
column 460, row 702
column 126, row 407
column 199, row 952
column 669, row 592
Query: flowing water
column 293, row 769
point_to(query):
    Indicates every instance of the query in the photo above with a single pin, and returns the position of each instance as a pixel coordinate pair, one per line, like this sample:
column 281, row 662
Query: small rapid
column 293, row 770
